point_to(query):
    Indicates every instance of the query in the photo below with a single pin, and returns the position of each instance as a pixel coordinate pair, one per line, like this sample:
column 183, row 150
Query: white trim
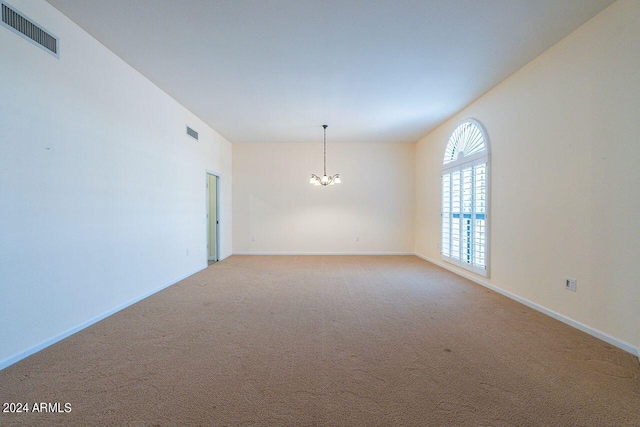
column 207, row 213
column 46, row 343
column 623, row 345
column 465, row 161
column 323, row 253
column 463, row 265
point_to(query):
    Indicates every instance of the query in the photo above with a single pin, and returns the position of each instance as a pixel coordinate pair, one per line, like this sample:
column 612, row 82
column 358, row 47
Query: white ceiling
column 373, row 70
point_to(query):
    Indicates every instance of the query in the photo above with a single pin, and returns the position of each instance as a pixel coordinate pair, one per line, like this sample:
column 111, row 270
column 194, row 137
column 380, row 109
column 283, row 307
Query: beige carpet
column 328, row 341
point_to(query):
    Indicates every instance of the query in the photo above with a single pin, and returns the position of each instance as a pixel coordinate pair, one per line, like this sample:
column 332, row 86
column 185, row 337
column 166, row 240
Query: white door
column 212, row 216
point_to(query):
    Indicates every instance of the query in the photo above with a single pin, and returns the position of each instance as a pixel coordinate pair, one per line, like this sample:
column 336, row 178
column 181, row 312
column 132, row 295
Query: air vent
column 29, row 30
column 192, row 133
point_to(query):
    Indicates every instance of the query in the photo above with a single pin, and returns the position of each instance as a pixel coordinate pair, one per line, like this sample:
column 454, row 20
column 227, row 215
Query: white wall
column 101, row 192
column 565, row 173
column 274, row 203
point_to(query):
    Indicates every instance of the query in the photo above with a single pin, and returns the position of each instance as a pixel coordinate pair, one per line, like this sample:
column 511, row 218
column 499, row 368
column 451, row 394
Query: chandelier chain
column 325, row 180
column 325, row 149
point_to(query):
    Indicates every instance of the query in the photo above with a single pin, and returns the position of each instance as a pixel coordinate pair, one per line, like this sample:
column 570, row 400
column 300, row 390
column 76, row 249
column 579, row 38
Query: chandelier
column 325, row 180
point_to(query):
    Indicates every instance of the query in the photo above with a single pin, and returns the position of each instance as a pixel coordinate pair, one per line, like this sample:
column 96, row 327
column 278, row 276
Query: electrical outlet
column 570, row 283
column 253, row 238
column 358, row 239
column 187, row 252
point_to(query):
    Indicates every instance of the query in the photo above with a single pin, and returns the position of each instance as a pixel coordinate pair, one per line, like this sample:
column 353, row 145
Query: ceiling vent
column 192, row 133
column 29, row 30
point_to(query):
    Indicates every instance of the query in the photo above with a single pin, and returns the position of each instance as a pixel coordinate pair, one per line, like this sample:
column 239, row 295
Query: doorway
column 212, row 218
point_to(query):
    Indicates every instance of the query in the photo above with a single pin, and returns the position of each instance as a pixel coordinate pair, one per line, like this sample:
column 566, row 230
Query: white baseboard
column 323, row 253
column 561, row 317
column 24, row 354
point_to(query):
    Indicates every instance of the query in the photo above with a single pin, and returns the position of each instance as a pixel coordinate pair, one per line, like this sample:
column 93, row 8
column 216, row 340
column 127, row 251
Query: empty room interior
column 330, row 213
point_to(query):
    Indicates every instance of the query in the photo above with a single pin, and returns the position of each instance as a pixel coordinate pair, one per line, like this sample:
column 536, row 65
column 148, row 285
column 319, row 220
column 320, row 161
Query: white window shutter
column 464, row 198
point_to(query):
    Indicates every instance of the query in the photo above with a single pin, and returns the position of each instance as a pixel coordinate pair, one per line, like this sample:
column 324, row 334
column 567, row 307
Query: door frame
column 206, row 187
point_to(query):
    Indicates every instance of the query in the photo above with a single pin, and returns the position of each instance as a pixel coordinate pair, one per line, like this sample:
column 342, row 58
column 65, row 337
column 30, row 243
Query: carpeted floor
column 327, row 341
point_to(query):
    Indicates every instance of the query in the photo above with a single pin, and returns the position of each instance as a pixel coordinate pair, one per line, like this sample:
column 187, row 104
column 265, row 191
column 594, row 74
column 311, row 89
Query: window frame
column 458, row 165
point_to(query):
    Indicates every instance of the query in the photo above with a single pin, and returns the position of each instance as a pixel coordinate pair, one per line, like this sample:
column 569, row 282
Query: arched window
column 465, row 173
